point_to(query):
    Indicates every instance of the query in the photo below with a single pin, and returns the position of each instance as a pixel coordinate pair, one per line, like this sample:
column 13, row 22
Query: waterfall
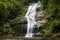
column 30, row 16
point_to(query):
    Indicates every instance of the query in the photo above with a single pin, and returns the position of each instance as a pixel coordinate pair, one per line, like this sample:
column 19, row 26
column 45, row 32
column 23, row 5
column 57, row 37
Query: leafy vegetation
column 10, row 12
column 52, row 8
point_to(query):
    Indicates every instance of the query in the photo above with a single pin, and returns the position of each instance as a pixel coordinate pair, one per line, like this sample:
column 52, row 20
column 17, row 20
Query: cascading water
column 30, row 16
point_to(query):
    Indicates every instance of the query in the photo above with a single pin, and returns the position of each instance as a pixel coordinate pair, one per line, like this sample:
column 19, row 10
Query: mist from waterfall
column 30, row 16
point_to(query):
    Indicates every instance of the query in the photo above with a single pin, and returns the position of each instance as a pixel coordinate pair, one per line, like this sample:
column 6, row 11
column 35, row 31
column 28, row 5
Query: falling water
column 30, row 16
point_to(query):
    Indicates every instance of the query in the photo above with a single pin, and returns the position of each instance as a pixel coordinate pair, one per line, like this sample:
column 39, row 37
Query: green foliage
column 7, row 29
column 44, row 4
column 3, row 13
column 52, row 8
column 11, row 10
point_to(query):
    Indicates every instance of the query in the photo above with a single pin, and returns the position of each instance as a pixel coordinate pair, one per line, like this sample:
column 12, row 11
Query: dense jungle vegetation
column 12, row 17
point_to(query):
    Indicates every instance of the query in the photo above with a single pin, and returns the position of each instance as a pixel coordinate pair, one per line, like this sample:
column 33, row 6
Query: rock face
column 40, row 18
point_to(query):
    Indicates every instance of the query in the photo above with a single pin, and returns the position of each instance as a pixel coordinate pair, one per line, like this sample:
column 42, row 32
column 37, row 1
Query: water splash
column 30, row 16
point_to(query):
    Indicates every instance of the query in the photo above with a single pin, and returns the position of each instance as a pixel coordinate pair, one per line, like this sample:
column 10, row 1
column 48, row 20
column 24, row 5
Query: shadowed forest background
column 12, row 13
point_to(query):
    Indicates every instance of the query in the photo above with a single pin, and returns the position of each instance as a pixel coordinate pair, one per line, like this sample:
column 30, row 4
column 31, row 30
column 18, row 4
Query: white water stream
column 30, row 16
